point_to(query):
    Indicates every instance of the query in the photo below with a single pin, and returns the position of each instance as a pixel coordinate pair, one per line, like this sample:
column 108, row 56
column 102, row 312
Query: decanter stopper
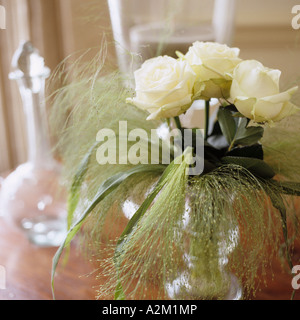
column 28, row 65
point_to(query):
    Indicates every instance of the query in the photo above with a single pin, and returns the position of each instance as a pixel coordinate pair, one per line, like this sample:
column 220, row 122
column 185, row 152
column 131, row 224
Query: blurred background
column 58, row 28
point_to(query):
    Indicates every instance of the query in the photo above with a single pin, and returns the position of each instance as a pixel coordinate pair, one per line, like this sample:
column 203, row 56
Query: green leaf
column 227, row 124
column 288, row 188
column 143, row 208
column 254, row 151
column 212, row 154
column 209, row 166
column 126, row 235
column 130, row 228
column 255, row 166
column 119, row 293
column 104, row 190
column 238, row 115
column 74, row 194
column 247, row 136
column 278, row 204
column 235, row 128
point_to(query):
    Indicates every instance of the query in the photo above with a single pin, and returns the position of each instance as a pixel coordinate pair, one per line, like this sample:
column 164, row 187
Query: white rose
column 212, row 62
column 256, row 94
column 164, row 87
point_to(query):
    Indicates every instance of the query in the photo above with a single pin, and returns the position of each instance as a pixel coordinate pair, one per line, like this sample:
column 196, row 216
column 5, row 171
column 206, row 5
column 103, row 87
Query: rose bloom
column 212, row 62
column 164, row 87
column 256, row 94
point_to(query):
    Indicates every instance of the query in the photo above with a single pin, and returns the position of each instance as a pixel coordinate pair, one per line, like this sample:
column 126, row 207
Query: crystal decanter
column 32, row 196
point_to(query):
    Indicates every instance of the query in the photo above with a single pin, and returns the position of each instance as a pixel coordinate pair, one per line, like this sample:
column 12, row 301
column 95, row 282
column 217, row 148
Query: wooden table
column 28, row 268
column 28, row 272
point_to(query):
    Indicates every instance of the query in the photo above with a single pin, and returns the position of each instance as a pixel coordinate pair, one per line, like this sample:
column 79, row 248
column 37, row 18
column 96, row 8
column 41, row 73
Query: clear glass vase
column 32, row 196
column 203, row 272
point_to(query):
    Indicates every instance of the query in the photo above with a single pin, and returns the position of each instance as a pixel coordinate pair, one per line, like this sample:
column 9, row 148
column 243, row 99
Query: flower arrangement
column 186, row 229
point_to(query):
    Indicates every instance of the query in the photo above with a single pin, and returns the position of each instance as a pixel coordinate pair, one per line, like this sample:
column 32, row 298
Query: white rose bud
column 164, row 87
column 212, row 62
column 256, row 94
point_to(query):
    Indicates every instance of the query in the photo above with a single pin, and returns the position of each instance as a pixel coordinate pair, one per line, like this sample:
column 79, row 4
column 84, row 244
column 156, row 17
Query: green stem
column 231, row 146
column 178, row 123
column 207, row 113
column 293, row 295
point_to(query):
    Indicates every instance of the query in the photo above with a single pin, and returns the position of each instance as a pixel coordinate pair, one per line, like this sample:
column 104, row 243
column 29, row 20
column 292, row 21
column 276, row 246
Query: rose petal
column 273, row 107
column 288, row 109
column 254, row 80
column 245, row 106
column 171, row 110
column 265, row 110
column 141, row 104
column 236, row 90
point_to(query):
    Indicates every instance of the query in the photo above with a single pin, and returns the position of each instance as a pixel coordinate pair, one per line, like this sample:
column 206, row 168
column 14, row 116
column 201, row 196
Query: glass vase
column 143, row 29
column 31, row 196
column 202, row 269
column 203, row 273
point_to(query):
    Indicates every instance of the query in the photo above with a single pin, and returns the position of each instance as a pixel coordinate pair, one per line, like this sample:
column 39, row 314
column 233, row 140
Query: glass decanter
column 32, row 196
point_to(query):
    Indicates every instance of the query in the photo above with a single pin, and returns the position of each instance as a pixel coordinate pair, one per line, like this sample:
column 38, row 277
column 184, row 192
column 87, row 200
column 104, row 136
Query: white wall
column 265, row 12
column 264, row 32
